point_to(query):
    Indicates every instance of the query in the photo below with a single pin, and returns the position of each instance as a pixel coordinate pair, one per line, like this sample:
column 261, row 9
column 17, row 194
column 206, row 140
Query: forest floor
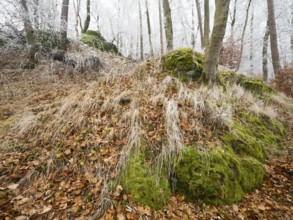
column 65, row 195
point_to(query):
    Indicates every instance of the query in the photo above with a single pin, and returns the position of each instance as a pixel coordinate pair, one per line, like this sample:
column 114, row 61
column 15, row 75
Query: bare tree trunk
column 64, row 21
column 233, row 20
column 215, row 43
column 77, row 11
column 200, row 22
column 291, row 33
column 141, row 31
column 265, row 53
column 29, row 34
column 161, row 28
column 251, row 42
column 88, row 17
column 206, row 22
column 273, row 37
column 243, row 34
column 168, row 25
column 36, row 14
column 192, row 26
column 149, row 28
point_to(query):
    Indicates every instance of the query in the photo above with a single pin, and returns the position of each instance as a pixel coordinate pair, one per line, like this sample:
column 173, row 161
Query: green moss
column 96, row 40
column 47, row 39
column 145, row 184
column 254, row 136
column 255, row 85
column 184, row 64
column 217, row 177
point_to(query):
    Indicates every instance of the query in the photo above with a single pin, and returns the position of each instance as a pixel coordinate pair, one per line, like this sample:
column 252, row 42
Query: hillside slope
column 136, row 141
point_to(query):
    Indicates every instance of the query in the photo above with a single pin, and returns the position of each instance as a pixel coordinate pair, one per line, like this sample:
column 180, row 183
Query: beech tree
column 149, row 28
column 29, row 34
column 64, row 21
column 215, row 42
column 206, row 22
column 168, row 24
column 88, row 17
column 200, row 22
column 273, row 37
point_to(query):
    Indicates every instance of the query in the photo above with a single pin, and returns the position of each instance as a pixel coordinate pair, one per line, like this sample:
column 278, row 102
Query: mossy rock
column 184, row 64
column 217, row 177
column 145, row 184
column 255, row 85
column 96, row 40
column 254, row 136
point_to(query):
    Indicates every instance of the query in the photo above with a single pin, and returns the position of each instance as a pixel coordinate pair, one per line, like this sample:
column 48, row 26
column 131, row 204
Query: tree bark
column 192, row 26
column 200, row 23
column 265, row 53
column 215, row 43
column 141, row 31
column 273, row 37
column 149, row 29
column 243, row 34
column 76, row 10
column 36, row 14
column 233, row 20
column 88, row 17
column 168, row 25
column 64, row 22
column 251, row 41
column 29, row 34
column 161, row 28
column 206, row 22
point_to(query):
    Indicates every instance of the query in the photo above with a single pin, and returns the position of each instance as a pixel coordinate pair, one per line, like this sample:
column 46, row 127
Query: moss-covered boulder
column 217, row 177
column 147, row 186
column 96, row 40
column 184, row 64
column 255, row 85
column 254, row 136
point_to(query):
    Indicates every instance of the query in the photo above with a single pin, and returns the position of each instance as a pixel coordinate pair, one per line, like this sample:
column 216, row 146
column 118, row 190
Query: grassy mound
column 184, row 64
column 96, row 40
column 74, row 140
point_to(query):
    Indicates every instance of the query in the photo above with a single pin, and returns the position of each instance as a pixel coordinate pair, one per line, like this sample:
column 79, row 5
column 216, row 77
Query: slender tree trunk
column 233, row 20
column 141, row 32
column 76, row 7
column 251, row 41
column 243, row 34
column 206, row 22
column 291, row 33
column 36, row 14
column 265, row 53
column 64, row 21
column 215, row 43
column 29, row 34
column 161, row 28
column 192, row 26
column 149, row 28
column 200, row 22
column 168, row 25
column 88, row 17
column 273, row 37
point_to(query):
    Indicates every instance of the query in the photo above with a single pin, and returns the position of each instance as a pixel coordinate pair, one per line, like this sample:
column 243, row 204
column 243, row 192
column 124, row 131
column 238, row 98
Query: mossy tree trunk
column 168, row 25
column 265, row 53
column 64, row 21
column 149, row 28
column 36, row 14
column 206, row 23
column 200, row 22
column 29, row 34
column 215, row 43
column 243, row 34
column 161, row 28
column 273, row 37
column 88, row 17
